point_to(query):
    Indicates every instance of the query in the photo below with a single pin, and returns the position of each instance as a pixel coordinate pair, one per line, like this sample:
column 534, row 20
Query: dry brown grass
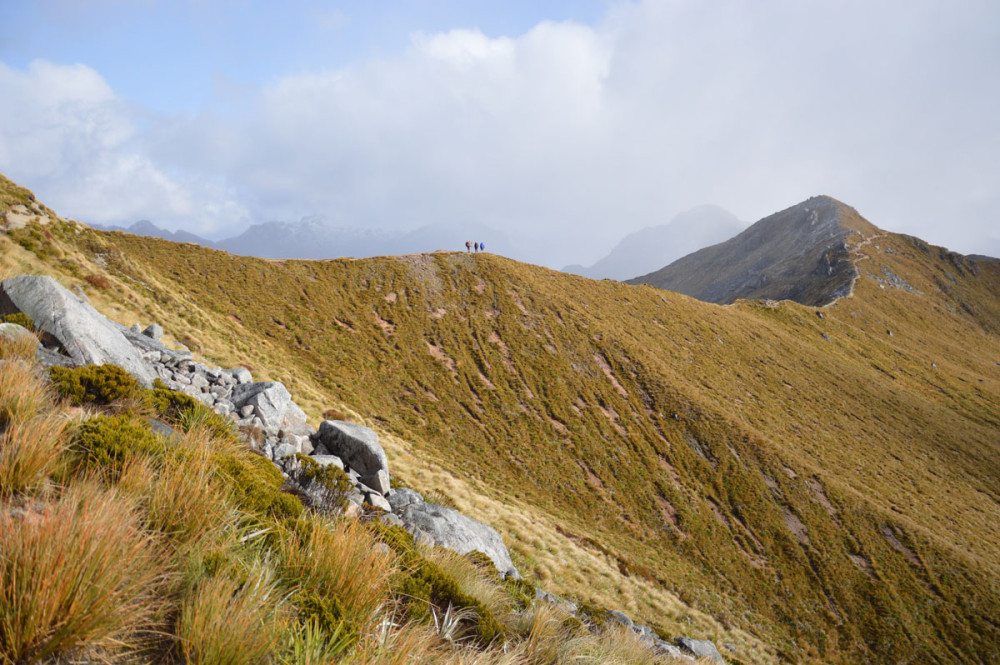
column 77, row 572
column 30, row 450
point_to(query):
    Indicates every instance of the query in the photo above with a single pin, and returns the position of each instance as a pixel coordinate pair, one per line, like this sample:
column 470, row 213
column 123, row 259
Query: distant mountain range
column 656, row 246
column 315, row 238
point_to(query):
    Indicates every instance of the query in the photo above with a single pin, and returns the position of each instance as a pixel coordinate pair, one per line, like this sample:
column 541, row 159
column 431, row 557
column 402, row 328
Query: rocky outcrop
column 700, row 649
column 85, row 335
column 270, row 421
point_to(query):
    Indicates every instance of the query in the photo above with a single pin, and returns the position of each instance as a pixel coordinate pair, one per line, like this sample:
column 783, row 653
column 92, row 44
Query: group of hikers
column 475, row 246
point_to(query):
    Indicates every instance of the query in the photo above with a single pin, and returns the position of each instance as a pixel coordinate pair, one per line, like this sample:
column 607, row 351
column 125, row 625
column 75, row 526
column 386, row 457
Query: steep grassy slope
column 829, row 484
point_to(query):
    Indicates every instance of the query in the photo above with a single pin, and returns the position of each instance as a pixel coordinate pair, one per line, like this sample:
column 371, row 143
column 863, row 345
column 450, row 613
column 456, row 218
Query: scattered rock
column 154, row 331
column 451, row 529
column 272, row 403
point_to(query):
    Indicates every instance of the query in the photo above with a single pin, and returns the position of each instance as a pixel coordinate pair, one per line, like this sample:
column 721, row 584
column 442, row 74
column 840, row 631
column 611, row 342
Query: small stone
column 240, row 374
column 199, row 381
column 700, row 648
column 376, row 500
column 393, row 520
column 246, row 411
column 182, row 379
column 220, row 392
column 136, row 328
column 378, row 481
column 329, row 460
column 223, row 408
column 285, row 450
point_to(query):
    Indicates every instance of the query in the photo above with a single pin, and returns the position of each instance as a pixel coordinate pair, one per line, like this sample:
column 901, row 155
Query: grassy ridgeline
column 827, row 484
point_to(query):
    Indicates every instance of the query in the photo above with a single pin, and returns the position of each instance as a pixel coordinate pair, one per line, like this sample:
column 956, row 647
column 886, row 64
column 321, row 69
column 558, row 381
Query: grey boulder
column 452, row 530
column 404, row 497
column 272, row 403
column 154, row 331
column 700, row 648
column 358, row 446
column 87, row 335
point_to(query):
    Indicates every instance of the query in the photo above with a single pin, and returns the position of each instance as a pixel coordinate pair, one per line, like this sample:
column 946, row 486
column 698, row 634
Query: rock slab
column 700, row 648
column 358, row 446
column 87, row 335
column 451, row 529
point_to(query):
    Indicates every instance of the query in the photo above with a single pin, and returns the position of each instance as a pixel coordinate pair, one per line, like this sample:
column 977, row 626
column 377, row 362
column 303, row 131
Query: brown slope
column 798, row 254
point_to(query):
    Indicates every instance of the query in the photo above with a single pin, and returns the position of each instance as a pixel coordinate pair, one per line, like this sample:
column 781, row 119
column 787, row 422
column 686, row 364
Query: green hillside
column 825, row 482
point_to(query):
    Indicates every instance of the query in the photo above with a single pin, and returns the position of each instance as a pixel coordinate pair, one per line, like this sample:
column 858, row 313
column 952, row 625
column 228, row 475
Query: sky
column 564, row 124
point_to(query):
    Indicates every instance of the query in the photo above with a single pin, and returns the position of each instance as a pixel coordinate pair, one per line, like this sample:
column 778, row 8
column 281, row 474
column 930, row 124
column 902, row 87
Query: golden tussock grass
column 76, row 572
column 229, row 622
column 341, row 560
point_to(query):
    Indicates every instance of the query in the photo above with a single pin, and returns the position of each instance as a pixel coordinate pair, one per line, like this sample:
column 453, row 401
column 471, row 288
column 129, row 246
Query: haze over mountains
column 655, row 246
column 316, row 238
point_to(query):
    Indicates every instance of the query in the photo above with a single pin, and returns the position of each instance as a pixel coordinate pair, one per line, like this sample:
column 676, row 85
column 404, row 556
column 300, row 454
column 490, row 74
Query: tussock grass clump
column 78, row 572
column 226, row 622
column 23, row 395
column 184, row 502
column 427, row 589
column 32, row 439
column 345, row 577
column 29, row 451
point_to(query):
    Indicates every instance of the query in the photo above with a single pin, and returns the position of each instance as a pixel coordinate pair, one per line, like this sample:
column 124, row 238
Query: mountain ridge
column 800, row 253
column 757, row 468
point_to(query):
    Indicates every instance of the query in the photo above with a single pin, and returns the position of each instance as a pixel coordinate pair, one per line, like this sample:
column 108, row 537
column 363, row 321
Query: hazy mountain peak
column 797, row 254
column 654, row 246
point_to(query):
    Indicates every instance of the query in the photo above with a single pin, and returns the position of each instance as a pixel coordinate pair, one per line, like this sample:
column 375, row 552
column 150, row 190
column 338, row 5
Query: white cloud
column 569, row 134
column 64, row 133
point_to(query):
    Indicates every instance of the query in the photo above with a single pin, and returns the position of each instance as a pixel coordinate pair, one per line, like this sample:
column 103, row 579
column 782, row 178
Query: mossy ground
column 820, row 484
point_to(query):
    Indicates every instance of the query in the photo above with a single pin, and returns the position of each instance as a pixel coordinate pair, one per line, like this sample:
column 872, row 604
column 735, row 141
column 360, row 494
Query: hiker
column 482, row 247
column 477, row 246
column 468, row 246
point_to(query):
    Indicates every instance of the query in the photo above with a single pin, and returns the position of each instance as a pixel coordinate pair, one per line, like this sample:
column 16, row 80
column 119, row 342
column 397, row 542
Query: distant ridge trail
column 799, row 254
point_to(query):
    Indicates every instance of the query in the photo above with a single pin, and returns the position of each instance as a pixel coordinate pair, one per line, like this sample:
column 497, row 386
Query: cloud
column 64, row 132
column 568, row 134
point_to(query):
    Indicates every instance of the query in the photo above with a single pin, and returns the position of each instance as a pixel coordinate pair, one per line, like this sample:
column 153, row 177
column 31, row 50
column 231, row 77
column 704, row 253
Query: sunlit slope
column 841, row 493
column 829, row 487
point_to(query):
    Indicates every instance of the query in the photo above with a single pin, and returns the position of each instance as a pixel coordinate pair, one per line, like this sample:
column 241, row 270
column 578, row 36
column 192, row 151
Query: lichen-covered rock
column 87, row 335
